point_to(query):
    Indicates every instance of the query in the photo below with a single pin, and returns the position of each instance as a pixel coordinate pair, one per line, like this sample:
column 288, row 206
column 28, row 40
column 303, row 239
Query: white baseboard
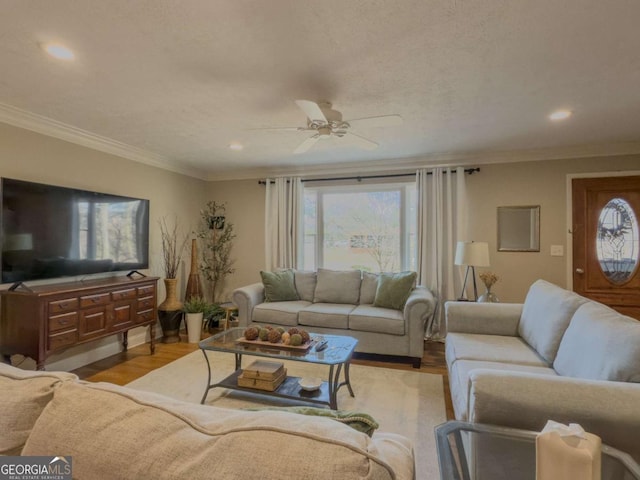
column 81, row 355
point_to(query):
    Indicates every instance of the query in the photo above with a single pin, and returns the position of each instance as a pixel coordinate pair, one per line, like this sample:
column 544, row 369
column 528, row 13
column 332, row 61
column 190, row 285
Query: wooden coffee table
column 337, row 356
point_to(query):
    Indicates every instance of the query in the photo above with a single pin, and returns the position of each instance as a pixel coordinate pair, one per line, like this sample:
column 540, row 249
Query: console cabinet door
column 93, row 322
column 123, row 315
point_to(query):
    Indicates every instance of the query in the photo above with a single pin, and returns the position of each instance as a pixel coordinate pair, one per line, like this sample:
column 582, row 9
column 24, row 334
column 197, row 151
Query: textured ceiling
column 180, row 81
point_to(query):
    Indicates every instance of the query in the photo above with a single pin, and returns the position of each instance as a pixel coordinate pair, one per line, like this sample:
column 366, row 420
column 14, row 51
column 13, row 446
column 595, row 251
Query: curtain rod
column 470, row 171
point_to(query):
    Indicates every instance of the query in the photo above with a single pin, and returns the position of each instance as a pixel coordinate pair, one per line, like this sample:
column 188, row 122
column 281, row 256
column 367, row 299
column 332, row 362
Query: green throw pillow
column 361, row 422
column 394, row 289
column 279, row 286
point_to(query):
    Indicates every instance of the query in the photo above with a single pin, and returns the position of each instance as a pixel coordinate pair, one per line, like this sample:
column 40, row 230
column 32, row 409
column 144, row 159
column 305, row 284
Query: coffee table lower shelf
column 289, row 389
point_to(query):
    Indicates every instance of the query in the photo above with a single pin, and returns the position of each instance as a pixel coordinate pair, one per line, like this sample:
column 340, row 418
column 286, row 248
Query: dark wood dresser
column 46, row 319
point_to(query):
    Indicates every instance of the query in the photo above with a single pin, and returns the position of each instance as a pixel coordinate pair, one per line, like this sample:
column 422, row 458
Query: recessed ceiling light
column 560, row 115
column 58, row 51
column 236, row 146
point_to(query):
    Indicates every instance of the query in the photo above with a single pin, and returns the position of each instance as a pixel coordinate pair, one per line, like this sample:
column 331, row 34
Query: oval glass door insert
column 617, row 242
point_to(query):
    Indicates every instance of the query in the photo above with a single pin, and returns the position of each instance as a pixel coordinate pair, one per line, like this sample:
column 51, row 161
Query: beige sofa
column 115, row 433
column 558, row 356
column 342, row 303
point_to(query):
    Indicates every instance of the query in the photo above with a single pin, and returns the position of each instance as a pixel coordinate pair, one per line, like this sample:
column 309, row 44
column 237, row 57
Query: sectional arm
column 417, row 310
column 246, row 298
column 527, row 400
column 483, row 318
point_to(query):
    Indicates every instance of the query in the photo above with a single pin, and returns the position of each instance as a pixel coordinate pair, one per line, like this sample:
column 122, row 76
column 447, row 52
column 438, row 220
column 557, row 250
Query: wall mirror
column 519, row 229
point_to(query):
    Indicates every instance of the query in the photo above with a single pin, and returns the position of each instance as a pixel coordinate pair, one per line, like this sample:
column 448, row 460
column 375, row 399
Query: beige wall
column 531, row 183
column 245, row 209
column 26, row 155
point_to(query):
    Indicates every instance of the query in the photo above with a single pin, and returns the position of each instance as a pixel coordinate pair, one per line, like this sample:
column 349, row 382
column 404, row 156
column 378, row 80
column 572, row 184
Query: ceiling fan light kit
column 324, row 122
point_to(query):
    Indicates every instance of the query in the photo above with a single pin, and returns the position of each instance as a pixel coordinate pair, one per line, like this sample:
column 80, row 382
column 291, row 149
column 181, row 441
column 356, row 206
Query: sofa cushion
column 335, row 286
column 328, row 315
column 278, row 313
column 150, row 436
column 546, row 315
column 279, row 286
column 23, row 396
column 368, row 288
column 394, row 289
column 600, row 344
column 305, row 284
column 491, row 348
column 368, row 318
column 459, row 380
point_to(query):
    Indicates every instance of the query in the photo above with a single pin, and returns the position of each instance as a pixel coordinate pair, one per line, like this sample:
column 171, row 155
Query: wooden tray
column 281, row 346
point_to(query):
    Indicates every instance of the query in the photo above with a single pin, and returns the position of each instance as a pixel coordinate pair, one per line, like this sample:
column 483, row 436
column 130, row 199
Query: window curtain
column 442, row 220
column 283, row 210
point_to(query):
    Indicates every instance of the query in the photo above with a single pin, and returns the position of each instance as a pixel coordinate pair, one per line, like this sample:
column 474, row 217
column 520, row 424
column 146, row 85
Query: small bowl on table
column 310, row 383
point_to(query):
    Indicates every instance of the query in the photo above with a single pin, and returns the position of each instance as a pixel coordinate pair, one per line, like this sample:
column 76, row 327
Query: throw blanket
column 361, row 422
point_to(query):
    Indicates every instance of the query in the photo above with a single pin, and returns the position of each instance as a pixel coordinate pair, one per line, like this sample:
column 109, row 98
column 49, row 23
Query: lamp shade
column 473, row 254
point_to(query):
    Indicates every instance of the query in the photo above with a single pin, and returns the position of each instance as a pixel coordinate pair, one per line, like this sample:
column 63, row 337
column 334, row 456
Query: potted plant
column 194, row 309
column 216, row 236
column 170, row 311
column 213, row 315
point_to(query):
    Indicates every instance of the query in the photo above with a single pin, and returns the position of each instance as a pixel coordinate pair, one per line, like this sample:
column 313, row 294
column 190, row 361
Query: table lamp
column 471, row 254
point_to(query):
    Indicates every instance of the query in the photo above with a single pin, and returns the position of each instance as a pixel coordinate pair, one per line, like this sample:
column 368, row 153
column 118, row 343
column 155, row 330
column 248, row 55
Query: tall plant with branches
column 173, row 245
column 216, row 236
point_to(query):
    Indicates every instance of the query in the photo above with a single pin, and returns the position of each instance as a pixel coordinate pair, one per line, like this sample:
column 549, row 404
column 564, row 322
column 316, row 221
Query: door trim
column 569, row 214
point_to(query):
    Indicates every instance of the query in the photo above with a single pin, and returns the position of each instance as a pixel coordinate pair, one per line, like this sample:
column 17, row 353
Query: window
column 368, row 227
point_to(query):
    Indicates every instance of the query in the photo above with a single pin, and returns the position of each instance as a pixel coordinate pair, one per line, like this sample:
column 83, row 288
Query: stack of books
column 263, row 375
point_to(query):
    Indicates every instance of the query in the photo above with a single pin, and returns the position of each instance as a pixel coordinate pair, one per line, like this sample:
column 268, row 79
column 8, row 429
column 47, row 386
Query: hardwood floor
column 125, row 367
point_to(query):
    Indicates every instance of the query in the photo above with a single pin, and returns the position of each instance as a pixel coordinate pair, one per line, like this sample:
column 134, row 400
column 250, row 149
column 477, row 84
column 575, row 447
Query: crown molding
column 439, row 160
column 53, row 128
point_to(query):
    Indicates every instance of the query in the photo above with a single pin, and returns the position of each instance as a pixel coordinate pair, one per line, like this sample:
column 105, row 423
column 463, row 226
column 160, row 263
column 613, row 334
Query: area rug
column 410, row 403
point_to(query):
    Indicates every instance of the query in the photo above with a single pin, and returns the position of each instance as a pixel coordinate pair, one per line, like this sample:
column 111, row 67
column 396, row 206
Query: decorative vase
column 488, row 297
column 194, row 326
column 170, row 312
column 194, row 286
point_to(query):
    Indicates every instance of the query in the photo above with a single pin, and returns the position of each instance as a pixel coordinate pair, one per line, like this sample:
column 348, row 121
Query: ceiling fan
column 323, row 123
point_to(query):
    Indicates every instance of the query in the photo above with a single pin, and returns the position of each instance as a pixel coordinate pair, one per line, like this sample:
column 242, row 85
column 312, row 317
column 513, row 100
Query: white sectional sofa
column 343, row 303
column 115, row 432
column 558, row 356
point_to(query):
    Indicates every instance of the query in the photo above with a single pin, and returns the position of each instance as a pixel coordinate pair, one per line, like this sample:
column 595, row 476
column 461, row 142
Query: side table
column 477, row 451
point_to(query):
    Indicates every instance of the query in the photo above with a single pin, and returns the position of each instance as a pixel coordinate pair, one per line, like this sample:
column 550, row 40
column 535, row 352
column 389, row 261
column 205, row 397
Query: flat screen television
column 50, row 231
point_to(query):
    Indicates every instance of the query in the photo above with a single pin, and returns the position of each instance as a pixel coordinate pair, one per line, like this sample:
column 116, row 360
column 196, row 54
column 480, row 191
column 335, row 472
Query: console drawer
column 63, row 305
column 62, row 340
column 145, row 303
column 145, row 316
column 63, row 322
column 124, row 294
column 93, row 300
column 146, row 290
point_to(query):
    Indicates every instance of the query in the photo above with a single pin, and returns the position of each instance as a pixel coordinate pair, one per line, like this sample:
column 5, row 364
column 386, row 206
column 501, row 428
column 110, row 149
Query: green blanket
column 361, row 422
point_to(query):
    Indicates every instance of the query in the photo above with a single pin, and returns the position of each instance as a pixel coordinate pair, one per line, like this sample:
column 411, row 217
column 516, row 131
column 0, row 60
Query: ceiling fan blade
column 311, row 110
column 360, row 141
column 382, row 121
column 280, row 129
column 307, row 144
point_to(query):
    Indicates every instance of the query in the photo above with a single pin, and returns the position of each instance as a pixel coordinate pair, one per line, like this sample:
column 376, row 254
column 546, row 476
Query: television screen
column 50, row 231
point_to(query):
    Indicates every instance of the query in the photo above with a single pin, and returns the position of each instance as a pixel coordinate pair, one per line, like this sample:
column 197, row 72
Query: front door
column 606, row 241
